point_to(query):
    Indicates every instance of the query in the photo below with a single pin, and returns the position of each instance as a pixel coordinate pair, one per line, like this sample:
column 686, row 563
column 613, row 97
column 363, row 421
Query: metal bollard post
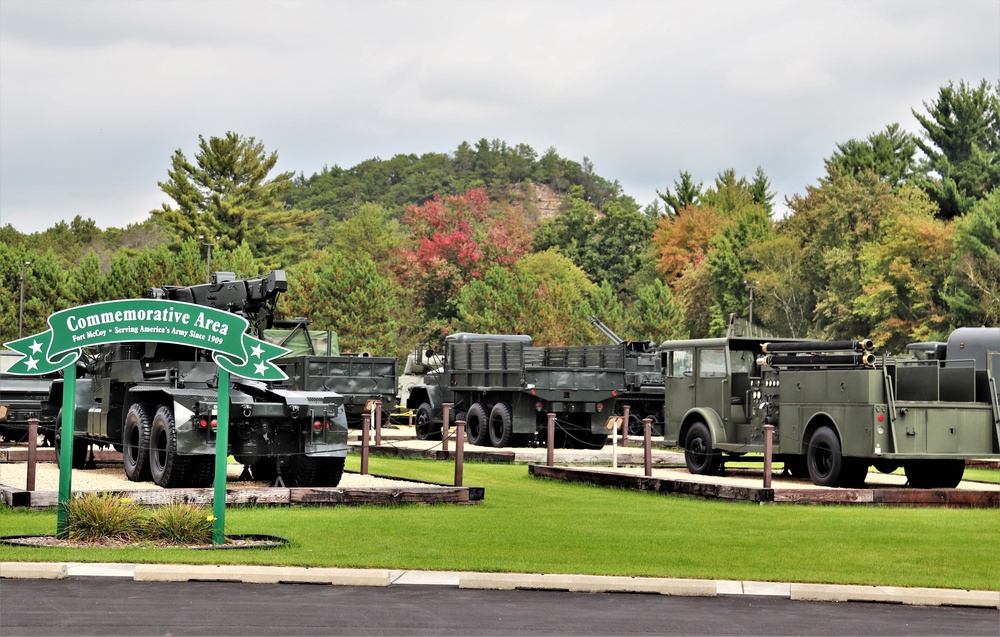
column 364, row 443
column 625, row 426
column 378, row 423
column 550, row 443
column 445, row 426
column 459, row 451
column 29, row 481
column 647, row 445
column 768, row 448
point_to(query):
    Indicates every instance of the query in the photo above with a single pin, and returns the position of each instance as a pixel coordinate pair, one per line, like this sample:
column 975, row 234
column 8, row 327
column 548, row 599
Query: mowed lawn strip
column 533, row 525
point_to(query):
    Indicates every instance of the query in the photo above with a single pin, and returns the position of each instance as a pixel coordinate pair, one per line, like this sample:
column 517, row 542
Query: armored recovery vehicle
column 157, row 403
column 643, row 390
column 836, row 407
column 503, row 388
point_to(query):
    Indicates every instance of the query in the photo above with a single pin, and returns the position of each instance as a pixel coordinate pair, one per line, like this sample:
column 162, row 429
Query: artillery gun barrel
column 864, row 345
column 866, row 359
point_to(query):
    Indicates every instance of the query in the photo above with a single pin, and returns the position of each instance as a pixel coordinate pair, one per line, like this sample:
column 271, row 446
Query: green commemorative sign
column 224, row 333
column 145, row 320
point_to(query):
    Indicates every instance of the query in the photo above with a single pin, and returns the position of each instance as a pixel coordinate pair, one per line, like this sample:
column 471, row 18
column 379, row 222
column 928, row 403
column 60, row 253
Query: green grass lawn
column 526, row 524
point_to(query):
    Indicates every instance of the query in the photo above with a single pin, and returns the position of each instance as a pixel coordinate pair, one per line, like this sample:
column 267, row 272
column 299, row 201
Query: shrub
column 179, row 524
column 103, row 516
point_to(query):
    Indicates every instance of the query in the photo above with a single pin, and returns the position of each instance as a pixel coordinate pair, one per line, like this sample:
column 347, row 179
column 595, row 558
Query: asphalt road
column 120, row 606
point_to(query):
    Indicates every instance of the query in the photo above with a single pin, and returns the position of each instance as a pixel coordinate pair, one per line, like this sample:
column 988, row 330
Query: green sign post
column 142, row 320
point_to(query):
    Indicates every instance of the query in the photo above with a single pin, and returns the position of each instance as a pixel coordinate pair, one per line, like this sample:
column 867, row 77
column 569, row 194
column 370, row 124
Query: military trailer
column 643, row 390
column 316, row 364
column 157, row 403
column 503, row 388
column 836, row 408
column 20, row 399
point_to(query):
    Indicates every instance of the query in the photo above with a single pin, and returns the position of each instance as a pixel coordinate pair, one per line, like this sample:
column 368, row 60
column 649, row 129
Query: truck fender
column 708, row 416
column 819, row 419
column 420, row 394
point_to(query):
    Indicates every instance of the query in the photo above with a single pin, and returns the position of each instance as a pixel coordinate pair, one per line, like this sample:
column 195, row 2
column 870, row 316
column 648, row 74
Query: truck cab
column 708, row 395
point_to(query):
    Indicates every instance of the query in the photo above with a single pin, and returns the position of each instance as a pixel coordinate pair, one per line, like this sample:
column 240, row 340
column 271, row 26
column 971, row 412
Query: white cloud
column 95, row 95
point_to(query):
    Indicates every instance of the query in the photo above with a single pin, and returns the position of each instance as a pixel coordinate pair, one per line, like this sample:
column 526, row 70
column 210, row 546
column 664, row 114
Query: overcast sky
column 96, row 95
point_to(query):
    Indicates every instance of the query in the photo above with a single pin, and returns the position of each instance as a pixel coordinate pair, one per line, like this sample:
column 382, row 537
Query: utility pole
column 751, row 285
column 208, row 257
column 20, row 306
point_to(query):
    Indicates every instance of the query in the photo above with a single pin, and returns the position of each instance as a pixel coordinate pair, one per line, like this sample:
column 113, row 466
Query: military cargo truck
column 836, row 407
column 643, row 390
column 157, row 403
column 503, row 388
column 20, row 399
column 316, row 364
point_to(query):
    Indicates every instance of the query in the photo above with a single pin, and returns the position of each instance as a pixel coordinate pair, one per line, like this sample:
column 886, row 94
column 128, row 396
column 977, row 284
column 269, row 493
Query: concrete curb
column 502, row 581
column 32, row 570
column 588, row 583
column 260, row 574
column 894, row 595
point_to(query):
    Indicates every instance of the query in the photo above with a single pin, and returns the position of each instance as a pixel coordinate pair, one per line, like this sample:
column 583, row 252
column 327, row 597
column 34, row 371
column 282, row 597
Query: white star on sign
column 260, row 368
column 36, row 347
column 32, row 363
column 257, row 351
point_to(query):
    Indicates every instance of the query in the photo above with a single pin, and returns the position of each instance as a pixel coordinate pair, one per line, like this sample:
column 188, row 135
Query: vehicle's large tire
column 477, row 426
column 306, row 471
column 886, row 466
column 201, row 471
column 135, row 443
column 425, row 423
column 168, row 468
column 79, row 460
column 501, row 426
column 824, row 458
column 700, row 456
column 934, row 474
column 635, row 426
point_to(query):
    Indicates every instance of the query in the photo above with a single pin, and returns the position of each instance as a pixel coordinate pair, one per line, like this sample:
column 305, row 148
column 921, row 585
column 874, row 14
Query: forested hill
column 406, row 180
column 898, row 240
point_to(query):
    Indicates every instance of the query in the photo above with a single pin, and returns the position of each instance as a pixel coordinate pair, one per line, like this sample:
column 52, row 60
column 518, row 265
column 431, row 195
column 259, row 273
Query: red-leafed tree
column 456, row 239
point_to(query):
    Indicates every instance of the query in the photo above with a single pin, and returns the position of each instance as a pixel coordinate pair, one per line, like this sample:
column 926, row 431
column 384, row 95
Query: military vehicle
column 836, row 407
column 158, row 402
column 643, row 390
column 503, row 387
column 316, row 360
column 20, row 399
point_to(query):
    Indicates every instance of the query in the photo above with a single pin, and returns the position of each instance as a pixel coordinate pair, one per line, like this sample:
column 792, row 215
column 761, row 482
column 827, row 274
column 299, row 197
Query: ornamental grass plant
column 179, row 523
column 92, row 517
column 106, row 517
